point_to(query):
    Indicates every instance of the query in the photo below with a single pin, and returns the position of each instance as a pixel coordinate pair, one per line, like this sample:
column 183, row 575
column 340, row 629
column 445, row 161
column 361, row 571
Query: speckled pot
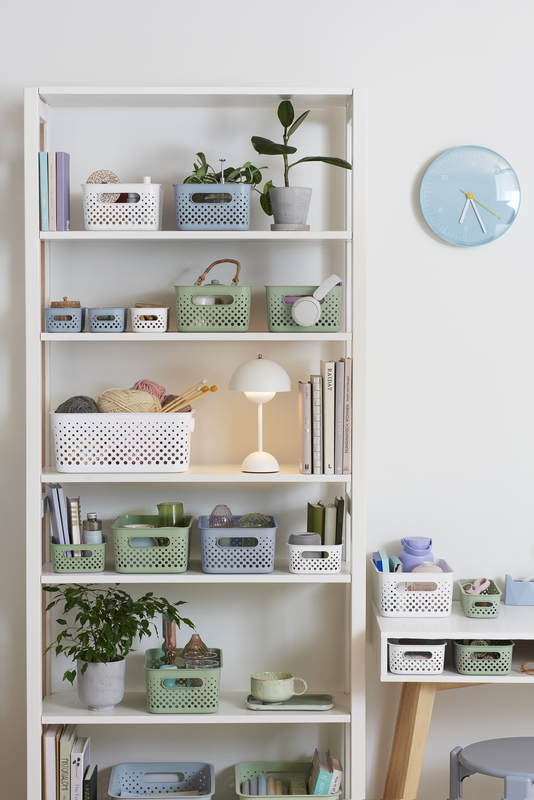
column 290, row 204
column 101, row 687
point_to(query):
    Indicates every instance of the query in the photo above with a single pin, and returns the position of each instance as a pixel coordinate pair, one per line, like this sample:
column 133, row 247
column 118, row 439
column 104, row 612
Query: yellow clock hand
column 470, row 197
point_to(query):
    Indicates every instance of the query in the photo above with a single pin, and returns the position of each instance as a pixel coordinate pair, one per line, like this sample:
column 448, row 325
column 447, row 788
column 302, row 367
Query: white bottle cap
column 147, row 179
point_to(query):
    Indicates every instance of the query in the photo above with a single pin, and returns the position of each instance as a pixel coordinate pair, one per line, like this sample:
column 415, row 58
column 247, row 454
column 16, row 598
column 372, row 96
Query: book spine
column 327, row 371
column 322, row 784
column 43, row 186
column 63, row 191
column 305, row 428
column 317, row 424
column 347, row 419
column 339, row 399
column 52, row 191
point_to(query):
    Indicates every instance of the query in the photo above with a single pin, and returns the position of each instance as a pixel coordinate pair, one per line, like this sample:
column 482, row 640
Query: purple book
column 63, row 191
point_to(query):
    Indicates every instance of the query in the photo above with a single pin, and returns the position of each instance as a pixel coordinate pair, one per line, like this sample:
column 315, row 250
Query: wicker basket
column 279, row 319
column 143, row 215
column 170, row 555
column 194, row 311
column 213, row 207
column 177, row 691
column 133, row 780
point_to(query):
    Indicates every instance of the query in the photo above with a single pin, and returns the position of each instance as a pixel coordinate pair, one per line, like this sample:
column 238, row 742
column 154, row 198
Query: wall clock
column 470, row 195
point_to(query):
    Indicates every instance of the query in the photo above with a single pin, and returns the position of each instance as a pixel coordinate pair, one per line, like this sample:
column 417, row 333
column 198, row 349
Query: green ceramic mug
column 274, row 687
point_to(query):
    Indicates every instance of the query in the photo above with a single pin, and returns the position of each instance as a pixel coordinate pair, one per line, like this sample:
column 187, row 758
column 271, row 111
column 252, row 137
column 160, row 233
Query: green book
column 316, row 519
column 330, row 523
column 339, row 503
column 90, row 782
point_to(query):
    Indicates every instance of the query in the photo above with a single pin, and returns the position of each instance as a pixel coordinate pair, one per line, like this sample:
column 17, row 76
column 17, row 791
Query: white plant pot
column 101, row 687
column 290, row 204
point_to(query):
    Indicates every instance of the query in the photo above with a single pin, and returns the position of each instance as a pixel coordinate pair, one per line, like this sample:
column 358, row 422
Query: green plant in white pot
column 289, row 204
column 102, row 634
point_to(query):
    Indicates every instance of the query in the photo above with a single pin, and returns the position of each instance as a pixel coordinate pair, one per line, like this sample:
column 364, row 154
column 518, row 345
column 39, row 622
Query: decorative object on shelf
column 279, row 309
column 274, row 687
column 204, row 173
column 137, row 553
column 168, row 779
column 289, row 208
column 127, row 401
column 480, row 598
column 527, row 667
column 170, row 515
column 105, row 176
column 260, row 380
column 79, row 404
column 139, row 207
column 92, row 529
column 221, row 517
column 416, row 657
column 254, row 520
column 415, row 550
column 233, row 553
column 228, row 313
column 72, row 321
column 106, row 320
column 65, row 303
column 152, row 387
column 470, row 195
column 106, row 623
column 194, row 645
column 519, row 593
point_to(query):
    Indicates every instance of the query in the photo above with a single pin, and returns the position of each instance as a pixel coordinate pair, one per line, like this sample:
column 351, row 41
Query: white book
column 79, row 761
column 347, row 421
column 339, row 414
column 305, row 428
column 328, row 375
column 317, row 424
column 50, row 759
column 53, row 510
column 75, row 523
column 337, row 775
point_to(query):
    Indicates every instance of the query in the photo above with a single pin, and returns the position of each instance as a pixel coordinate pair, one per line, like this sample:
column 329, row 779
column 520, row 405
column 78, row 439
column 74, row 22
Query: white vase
column 290, row 204
column 101, row 686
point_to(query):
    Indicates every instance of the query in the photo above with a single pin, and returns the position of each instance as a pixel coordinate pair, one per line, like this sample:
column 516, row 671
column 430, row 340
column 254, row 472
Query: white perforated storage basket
column 143, row 215
column 149, row 320
column 407, row 594
column 122, row 442
column 306, row 559
column 416, row 657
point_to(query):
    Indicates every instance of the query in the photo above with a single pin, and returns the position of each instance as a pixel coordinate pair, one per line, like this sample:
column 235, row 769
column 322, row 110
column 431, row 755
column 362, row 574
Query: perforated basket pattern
column 134, row 779
column 122, row 442
column 115, row 325
column 485, row 604
column 230, row 318
column 175, row 696
column 144, row 215
column 162, row 558
column 238, row 558
column 469, row 658
column 93, row 558
column 394, row 598
column 411, row 658
column 328, row 558
column 279, row 319
column 142, row 325
column 74, row 325
column 215, row 215
column 253, row 769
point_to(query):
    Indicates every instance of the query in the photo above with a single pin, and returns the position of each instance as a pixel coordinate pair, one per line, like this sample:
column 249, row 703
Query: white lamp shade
column 260, row 375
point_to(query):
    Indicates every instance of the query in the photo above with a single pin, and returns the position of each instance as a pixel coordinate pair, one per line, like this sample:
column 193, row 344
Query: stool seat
column 511, row 759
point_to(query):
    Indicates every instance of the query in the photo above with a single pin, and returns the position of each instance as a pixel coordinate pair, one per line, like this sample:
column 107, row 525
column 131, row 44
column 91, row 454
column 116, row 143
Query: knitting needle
column 186, row 402
column 184, row 399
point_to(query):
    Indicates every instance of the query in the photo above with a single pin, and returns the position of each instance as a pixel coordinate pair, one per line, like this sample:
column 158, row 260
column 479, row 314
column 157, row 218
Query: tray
column 299, row 702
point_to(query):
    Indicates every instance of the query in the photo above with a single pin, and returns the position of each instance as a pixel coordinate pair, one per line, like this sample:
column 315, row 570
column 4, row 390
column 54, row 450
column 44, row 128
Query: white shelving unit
column 312, row 625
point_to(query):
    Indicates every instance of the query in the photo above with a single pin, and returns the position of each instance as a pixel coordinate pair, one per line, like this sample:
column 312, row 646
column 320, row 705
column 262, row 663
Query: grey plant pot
column 101, row 687
column 290, row 204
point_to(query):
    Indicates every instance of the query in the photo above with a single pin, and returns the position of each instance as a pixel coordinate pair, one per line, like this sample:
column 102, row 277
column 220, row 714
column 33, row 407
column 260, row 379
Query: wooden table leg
column 409, row 741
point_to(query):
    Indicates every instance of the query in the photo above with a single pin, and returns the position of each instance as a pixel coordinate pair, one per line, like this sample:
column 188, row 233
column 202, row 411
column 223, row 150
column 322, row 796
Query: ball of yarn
column 127, row 401
column 168, row 399
column 151, row 387
column 79, row 404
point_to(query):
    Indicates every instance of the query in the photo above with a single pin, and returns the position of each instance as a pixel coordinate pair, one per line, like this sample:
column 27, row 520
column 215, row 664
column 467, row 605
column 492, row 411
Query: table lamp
column 260, row 380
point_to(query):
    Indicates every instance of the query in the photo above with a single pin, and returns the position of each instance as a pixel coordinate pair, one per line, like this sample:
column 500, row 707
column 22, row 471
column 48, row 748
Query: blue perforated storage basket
column 106, row 320
column 139, row 780
column 237, row 550
column 212, row 207
column 56, row 322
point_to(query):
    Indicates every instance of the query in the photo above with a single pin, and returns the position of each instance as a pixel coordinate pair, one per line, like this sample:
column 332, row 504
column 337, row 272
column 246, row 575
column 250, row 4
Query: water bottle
column 416, row 549
column 92, row 529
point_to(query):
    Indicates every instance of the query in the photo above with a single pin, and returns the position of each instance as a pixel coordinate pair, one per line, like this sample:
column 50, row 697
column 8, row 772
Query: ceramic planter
column 101, row 687
column 290, row 206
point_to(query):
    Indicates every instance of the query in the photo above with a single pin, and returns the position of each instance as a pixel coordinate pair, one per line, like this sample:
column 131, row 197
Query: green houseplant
column 204, row 173
column 106, row 623
column 272, row 197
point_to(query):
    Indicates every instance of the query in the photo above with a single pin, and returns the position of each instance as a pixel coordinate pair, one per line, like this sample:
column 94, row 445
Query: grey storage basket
column 224, row 316
column 212, row 207
column 133, row 780
column 237, row 550
column 106, row 320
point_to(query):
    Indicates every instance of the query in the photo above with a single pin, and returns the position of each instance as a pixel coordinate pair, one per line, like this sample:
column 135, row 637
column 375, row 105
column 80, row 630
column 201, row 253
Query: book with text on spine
column 320, row 774
column 328, row 375
column 347, row 419
column 79, row 761
column 66, row 743
column 305, row 428
column 90, row 782
column 317, row 424
column 339, row 414
column 52, row 191
column 62, row 192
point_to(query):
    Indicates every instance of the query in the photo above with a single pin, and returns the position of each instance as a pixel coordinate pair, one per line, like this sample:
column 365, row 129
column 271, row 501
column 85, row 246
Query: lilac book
column 63, row 191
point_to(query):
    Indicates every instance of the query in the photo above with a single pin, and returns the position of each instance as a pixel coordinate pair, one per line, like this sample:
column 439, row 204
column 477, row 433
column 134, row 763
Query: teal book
column 43, row 189
column 320, row 774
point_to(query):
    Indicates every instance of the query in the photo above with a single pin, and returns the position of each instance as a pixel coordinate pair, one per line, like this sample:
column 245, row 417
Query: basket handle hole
column 164, row 777
column 211, row 197
column 238, row 541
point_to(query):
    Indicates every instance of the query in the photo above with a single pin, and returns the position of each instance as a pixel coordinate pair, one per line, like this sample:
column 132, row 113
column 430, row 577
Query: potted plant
column 288, row 205
column 225, row 206
column 102, row 634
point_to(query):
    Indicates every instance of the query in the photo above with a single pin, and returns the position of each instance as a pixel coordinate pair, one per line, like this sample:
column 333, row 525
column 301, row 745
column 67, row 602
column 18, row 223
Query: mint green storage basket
column 168, row 692
column 470, row 659
column 95, row 562
column 161, row 558
column 195, row 314
column 253, row 769
column 279, row 319
column 486, row 604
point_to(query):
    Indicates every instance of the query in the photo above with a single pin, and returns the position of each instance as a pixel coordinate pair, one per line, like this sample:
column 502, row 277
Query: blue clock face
column 470, row 195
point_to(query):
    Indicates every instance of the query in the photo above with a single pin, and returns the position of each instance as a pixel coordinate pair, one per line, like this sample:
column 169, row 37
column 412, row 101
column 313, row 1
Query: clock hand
column 467, row 202
column 470, row 196
column 471, row 200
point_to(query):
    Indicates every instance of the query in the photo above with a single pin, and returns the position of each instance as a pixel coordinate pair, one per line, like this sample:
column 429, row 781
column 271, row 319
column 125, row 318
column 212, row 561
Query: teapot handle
column 235, row 279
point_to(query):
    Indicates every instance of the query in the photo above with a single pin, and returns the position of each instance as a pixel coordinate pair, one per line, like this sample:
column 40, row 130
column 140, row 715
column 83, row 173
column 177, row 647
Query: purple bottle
column 416, row 549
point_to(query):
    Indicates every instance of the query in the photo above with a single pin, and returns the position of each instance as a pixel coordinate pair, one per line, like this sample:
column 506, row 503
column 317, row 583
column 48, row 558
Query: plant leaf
column 335, row 162
column 265, row 199
column 286, row 113
column 265, row 147
column 297, row 124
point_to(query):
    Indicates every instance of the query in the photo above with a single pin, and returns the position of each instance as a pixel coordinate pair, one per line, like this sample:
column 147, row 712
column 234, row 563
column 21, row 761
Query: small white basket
column 143, row 215
column 404, row 594
column 147, row 442
column 416, row 656
column 314, row 558
column 140, row 323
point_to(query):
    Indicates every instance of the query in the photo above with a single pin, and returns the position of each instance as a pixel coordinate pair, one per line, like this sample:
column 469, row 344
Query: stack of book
column 326, row 519
column 54, row 191
column 65, row 518
column 67, row 768
column 325, row 774
column 325, row 420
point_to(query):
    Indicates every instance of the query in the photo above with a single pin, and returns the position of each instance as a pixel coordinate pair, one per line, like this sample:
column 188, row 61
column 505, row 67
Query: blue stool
column 511, row 759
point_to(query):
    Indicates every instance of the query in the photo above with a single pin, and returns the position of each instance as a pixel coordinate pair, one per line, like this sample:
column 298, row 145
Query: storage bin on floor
column 416, row 656
column 483, row 657
column 92, row 558
column 308, row 559
column 485, row 604
column 237, row 550
column 177, row 691
column 184, row 777
column 145, row 550
column 405, row 594
column 253, row 769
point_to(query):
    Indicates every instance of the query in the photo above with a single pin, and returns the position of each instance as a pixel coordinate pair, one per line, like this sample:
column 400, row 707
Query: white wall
column 450, row 391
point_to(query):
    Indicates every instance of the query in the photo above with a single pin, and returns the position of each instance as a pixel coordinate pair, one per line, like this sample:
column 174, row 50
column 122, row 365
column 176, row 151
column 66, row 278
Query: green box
column 253, row 769
column 172, row 557
column 485, row 604
column 95, row 562
column 469, row 658
column 176, row 696
column 279, row 319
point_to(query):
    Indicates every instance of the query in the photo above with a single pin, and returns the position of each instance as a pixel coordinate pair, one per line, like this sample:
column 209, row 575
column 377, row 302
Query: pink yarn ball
column 151, row 387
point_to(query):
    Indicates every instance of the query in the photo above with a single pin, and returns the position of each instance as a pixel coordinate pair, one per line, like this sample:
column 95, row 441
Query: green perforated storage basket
column 485, row 604
column 163, row 557
column 279, row 319
column 253, row 769
column 229, row 313
column 168, row 694
column 93, row 558
column 488, row 657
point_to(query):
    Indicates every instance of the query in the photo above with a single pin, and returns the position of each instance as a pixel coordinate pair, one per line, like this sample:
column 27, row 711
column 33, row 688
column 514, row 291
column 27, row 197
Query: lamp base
column 260, row 461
